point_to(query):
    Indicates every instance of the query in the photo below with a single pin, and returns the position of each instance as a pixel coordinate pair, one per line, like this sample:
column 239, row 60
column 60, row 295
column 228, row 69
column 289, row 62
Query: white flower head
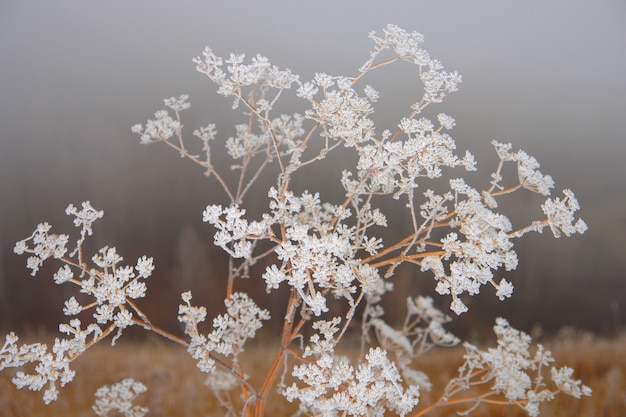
column 64, row 274
column 504, row 289
column 447, row 122
column 72, row 307
column 177, row 104
column 560, row 214
column 144, row 267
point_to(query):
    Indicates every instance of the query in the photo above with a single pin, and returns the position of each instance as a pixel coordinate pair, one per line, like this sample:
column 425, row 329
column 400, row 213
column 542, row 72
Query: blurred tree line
column 153, row 204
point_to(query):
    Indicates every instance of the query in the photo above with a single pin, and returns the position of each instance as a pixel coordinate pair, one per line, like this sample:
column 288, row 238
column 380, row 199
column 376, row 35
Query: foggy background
column 549, row 77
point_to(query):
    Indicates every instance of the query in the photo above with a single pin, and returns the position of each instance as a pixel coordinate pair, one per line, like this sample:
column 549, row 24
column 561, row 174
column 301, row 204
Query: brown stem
column 104, row 334
column 280, row 356
column 202, row 164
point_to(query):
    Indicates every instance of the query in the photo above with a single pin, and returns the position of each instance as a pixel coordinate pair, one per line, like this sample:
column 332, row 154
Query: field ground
column 175, row 386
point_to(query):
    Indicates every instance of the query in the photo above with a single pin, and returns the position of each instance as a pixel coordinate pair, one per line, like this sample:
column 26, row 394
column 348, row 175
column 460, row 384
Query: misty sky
column 548, row 76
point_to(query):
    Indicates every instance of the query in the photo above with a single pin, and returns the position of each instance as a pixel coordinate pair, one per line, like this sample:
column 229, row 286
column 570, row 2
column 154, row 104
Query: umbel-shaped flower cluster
column 329, row 255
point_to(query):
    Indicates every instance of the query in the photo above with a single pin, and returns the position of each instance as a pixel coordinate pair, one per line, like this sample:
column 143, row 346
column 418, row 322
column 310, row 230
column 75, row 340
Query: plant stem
column 286, row 339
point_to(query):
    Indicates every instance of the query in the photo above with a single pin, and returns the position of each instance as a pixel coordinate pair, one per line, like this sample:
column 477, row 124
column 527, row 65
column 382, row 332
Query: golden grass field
column 175, row 386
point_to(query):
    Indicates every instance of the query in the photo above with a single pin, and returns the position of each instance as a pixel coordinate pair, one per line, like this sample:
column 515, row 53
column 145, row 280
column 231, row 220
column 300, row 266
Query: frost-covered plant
column 323, row 252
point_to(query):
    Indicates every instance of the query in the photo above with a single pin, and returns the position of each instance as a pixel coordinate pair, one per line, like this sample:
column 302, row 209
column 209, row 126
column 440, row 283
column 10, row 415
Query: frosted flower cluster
column 84, row 219
column 560, row 214
column 119, row 398
column 232, row 230
column 161, row 128
column 337, row 388
column 45, row 245
column 239, row 75
column 512, row 371
column 394, row 167
column 341, row 111
column 316, row 261
column 482, row 244
column 527, row 169
column 331, row 257
column 314, row 257
column 407, row 46
column 242, row 320
column 422, row 330
column 387, row 166
column 51, row 369
column 111, row 285
column 333, row 387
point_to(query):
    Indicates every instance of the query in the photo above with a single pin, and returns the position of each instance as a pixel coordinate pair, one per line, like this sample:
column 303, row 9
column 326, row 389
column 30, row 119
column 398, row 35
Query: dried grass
column 175, row 386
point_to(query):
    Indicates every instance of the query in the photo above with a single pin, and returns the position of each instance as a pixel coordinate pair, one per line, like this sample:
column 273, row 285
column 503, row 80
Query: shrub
column 324, row 253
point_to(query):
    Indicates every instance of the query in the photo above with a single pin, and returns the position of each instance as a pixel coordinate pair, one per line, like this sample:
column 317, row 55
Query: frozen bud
column 72, row 307
column 504, row 289
column 371, row 94
column 212, row 213
column 457, row 306
column 446, row 121
column 144, row 267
